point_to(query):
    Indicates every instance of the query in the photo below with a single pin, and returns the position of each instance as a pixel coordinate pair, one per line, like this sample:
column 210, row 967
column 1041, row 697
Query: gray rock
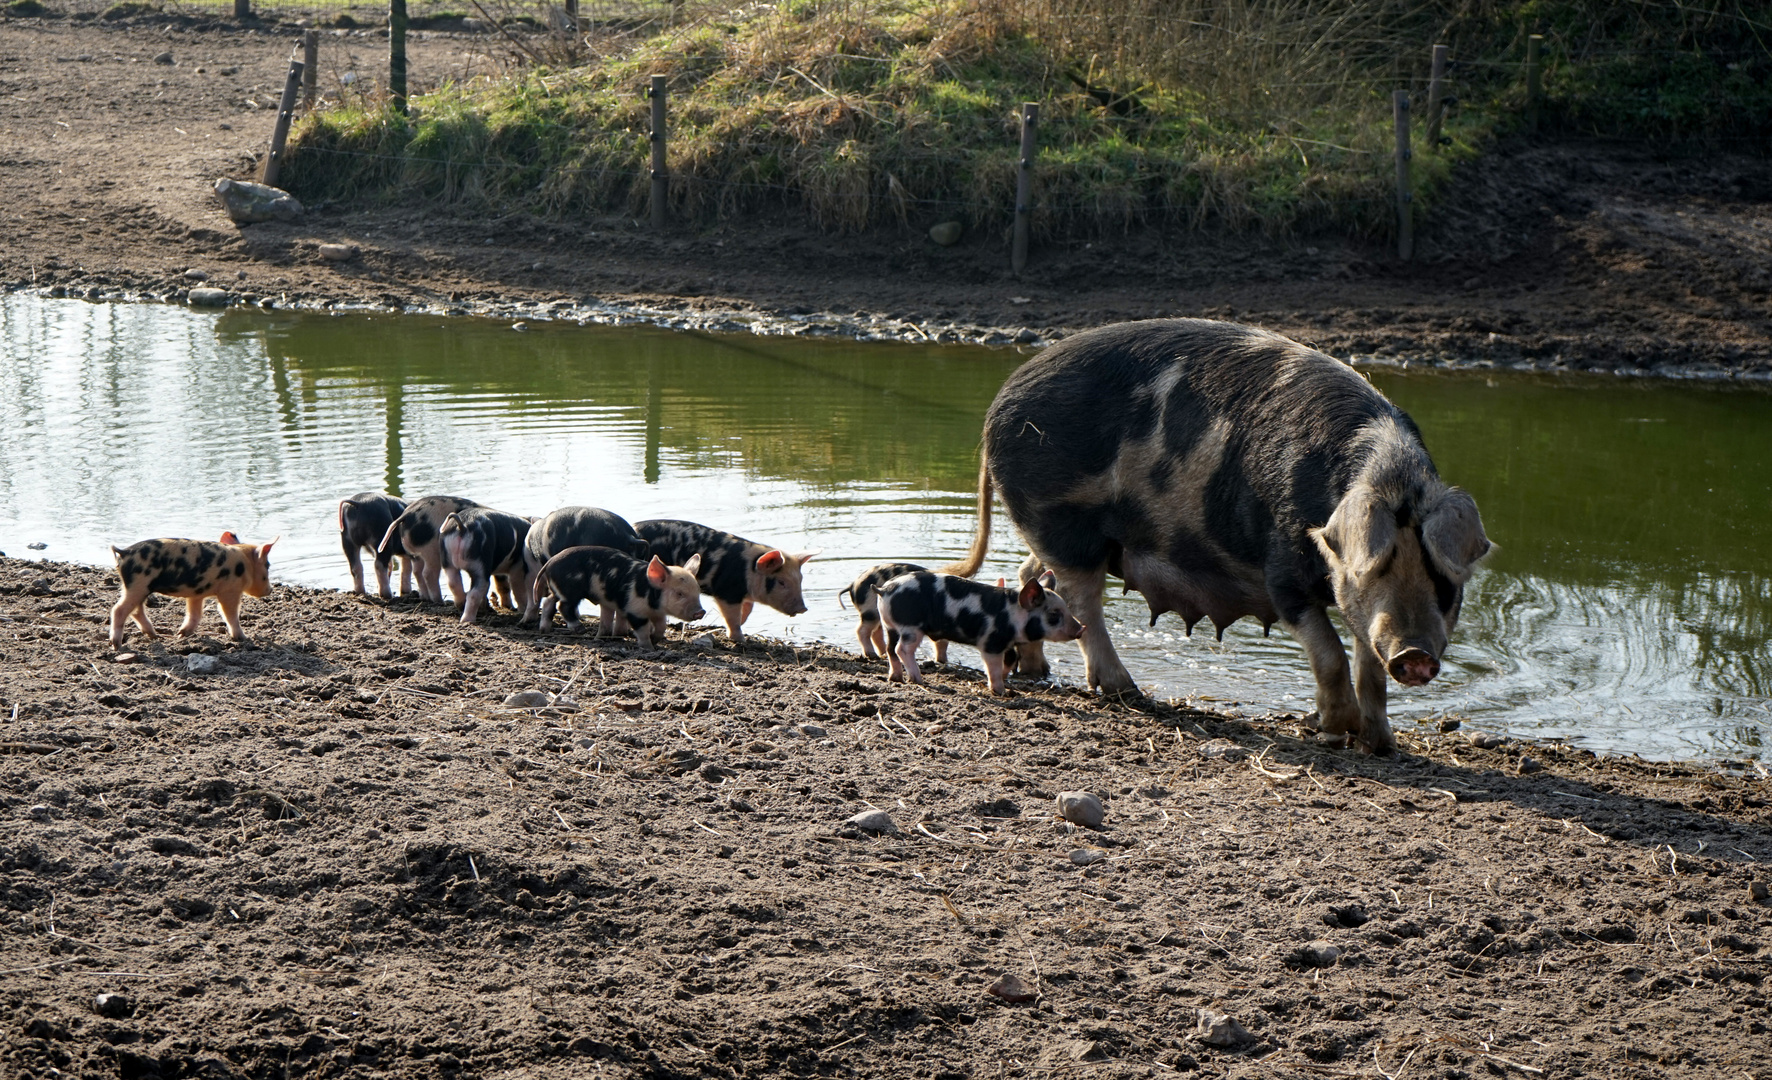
column 202, row 663
column 208, row 297
column 528, row 699
column 248, row 202
column 1011, row 987
column 115, row 1006
column 812, row 731
column 1317, row 954
column 1025, row 336
column 947, row 233
column 338, row 252
column 1081, row 807
column 1484, row 740
column 1087, row 856
column 1758, row 890
column 163, row 58
column 1218, row 1029
column 194, row 274
column 876, row 821
column 1450, row 724
column 1530, row 765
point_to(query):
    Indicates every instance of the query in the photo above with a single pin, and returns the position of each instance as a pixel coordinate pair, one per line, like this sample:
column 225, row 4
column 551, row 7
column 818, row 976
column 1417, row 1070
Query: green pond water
column 1627, row 608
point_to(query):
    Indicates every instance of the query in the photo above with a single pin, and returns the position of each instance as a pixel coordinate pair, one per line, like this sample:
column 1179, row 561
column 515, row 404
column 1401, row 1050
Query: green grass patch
column 1233, row 114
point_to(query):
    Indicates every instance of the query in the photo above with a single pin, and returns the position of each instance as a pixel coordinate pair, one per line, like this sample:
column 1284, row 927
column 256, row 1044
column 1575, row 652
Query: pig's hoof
column 895, row 678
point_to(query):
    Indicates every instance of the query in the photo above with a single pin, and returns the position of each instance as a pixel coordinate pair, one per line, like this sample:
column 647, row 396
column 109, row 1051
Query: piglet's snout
column 1413, row 667
column 696, row 615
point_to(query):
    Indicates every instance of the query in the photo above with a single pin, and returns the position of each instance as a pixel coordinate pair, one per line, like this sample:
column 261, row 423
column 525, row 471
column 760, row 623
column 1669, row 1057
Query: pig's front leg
column 606, row 620
column 995, row 672
column 230, row 612
column 734, row 616
column 643, row 634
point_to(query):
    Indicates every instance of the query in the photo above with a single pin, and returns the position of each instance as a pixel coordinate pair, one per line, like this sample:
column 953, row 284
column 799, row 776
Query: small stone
column 1217, row 749
column 115, row 1006
column 812, row 731
column 1081, row 807
column 1011, row 988
column 1025, row 336
column 202, row 664
column 1087, row 856
column 37, row 546
column 1530, row 765
column 338, row 252
column 874, row 821
column 1449, row 725
column 125, row 658
column 1317, row 954
column 946, row 233
column 1759, row 890
column 209, row 297
column 1218, row 1029
column 527, row 699
column 163, row 58
column 194, row 274
column 1485, row 740
column 40, row 811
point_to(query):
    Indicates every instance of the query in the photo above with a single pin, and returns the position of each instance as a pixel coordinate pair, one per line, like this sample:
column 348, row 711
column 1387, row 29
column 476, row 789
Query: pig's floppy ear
column 1453, row 534
column 655, row 571
column 1359, row 534
column 694, row 564
column 770, row 561
column 1031, row 595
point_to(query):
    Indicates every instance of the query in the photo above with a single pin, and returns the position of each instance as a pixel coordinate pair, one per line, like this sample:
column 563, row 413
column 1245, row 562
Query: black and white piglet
column 488, row 544
column 990, row 618
column 644, row 592
column 570, row 527
column 363, row 521
column 415, row 535
column 864, row 593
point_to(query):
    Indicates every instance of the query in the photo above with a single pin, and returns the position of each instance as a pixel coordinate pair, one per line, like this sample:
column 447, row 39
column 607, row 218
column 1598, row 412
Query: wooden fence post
column 1405, row 197
column 310, row 76
column 397, row 54
column 280, row 132
column 1534, row 45
column 1024, row 185
column 1436, row 97
column 661, row 179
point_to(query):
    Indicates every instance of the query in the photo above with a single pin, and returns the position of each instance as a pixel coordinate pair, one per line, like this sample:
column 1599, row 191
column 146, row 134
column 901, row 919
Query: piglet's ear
column 265, row 549
column 1031, row 595
column 770, row 561
column 1002, row 583
column 801, row 557
column 1049, row 580
column 655, row 571
column 228, row 537
column 694, row 563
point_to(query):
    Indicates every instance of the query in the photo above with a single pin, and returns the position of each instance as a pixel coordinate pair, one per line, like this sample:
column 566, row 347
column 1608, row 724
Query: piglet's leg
column 941, row 653
column 606, row 620
column 907, row 655
column 405, row 575
column 995, row 672
column 470, row 605
column 1030, row 660
column 354, row 559
column 193, row 616
column 643, row 634
column 453, row 576
column 142, row 620
column 865, row 632
column 230, row 612
column 745, row 609
column 734, row 616
column 384, row 572
column 507, row 597
column 120, row 618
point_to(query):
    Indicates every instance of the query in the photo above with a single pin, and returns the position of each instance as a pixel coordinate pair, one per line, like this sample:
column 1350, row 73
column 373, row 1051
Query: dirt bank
column 339, row 853
column 1548, row 255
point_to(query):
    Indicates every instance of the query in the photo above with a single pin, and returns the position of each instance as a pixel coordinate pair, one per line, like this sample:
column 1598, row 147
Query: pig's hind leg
column 868, row 633
column 193, row 615
column 354, row 559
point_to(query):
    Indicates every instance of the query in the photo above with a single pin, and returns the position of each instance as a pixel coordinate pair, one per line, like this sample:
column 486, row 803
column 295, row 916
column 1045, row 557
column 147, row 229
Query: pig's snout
column 696, row 615
column 1413, row 667
column 796, row 607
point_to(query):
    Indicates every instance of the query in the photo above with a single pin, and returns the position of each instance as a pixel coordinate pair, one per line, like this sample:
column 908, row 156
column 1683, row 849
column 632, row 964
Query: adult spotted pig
column 1224, row 471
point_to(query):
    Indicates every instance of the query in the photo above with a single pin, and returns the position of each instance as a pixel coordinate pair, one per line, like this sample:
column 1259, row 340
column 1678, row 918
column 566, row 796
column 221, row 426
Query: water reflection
column 1627, row 604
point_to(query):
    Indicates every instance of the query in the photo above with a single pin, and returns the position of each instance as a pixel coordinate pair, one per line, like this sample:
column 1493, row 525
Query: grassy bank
column 1271, row 114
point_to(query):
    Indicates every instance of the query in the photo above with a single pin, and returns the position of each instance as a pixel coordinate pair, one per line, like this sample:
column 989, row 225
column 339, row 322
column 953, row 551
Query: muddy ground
column 1547, row 254
column 341, row 853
